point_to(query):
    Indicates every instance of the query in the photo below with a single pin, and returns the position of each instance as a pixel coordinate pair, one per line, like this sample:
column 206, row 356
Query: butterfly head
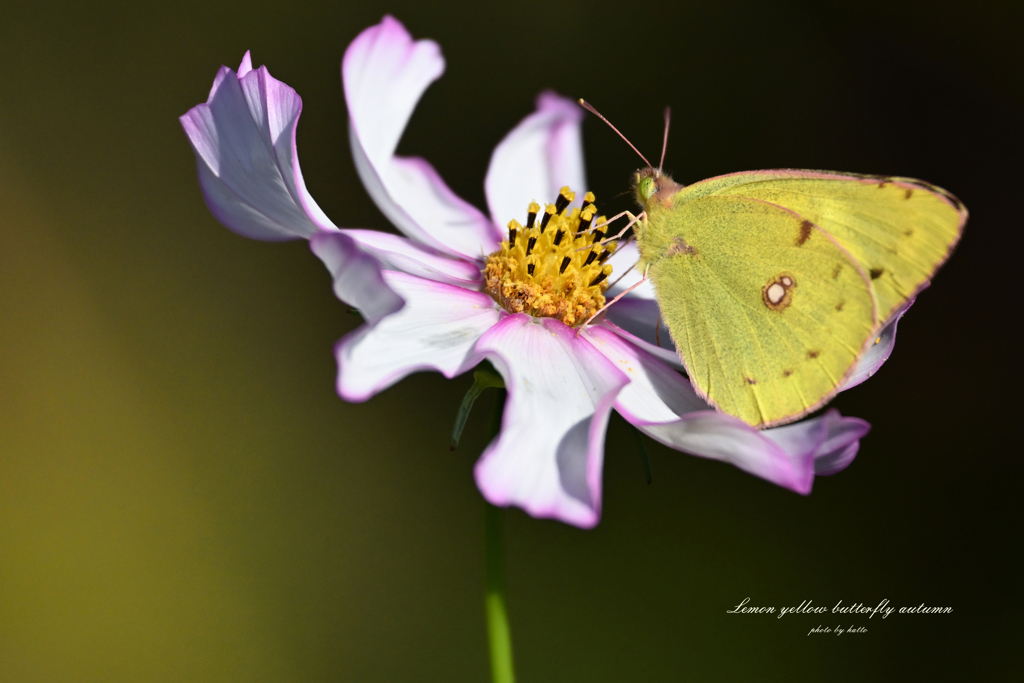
column 651, row 185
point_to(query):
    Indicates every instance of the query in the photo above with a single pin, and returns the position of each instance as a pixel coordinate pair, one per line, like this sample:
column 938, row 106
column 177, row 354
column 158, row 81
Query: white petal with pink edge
column 836, row 450
column 437, row 329
column 656, row 392
column 536, row 159
column 638, row 321
column 244, row 142
column 385, row 73
column 718, row 436
column 876, row 356
column 662, row 404
column 405, row 255
column 550, row 452
column 358, row 276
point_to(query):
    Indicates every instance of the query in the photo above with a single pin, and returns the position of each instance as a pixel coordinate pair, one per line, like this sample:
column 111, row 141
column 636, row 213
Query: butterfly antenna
column 586, row 105
column 664, row 142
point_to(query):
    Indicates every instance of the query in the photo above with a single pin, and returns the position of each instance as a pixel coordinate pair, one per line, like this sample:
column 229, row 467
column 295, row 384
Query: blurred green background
column 183, row 496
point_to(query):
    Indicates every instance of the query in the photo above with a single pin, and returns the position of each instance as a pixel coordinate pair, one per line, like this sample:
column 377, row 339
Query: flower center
column 546, row 268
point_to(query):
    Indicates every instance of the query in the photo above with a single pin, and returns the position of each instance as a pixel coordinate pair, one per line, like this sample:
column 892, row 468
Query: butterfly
column 773, row 284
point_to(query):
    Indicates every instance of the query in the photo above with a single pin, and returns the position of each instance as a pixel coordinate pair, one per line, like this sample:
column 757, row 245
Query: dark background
column 184, row 497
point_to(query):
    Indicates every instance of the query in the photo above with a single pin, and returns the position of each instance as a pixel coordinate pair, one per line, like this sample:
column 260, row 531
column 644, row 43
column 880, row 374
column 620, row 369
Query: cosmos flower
column 464, row 286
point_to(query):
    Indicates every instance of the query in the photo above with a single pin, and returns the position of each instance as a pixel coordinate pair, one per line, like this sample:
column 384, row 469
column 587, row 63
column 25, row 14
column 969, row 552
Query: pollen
column 545, row 268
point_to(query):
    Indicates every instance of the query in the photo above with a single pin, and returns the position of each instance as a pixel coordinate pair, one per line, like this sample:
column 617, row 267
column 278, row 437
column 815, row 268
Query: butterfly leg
column 622, row 294
column 633, row 220
column 627, row 270
column 609, row 221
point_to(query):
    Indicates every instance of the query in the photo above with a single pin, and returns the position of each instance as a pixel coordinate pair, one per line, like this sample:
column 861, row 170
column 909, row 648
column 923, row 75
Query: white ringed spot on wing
column 777, row 293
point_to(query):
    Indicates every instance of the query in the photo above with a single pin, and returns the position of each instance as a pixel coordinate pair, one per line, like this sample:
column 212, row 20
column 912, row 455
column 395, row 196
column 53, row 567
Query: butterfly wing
column 899, row 230
column 769, row 313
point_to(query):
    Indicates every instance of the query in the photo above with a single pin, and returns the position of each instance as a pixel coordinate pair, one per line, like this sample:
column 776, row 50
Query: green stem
column 499, row 634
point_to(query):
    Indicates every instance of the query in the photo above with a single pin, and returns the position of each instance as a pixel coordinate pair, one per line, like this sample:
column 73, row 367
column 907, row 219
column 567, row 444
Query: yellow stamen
column 539, row 270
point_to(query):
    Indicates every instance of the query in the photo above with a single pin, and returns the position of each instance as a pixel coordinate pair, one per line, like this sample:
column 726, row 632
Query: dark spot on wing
column 813, row 354
column 884, row 182
column 805, row 233
column 908, row 194
column 835, row 271
column 908, row 232
column 679, row 246
column 750, row 380
column 787, row 372
column 839, row 306
column 876, row 273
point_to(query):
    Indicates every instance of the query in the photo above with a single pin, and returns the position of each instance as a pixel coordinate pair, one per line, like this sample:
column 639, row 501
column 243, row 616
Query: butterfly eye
column 647, row 188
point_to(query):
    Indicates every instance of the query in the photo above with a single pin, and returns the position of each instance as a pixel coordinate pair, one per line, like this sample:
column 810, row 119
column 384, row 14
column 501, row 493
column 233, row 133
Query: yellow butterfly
column 775, row 283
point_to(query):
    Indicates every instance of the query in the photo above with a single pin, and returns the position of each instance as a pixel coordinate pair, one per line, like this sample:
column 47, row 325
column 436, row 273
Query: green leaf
column 484, row 377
